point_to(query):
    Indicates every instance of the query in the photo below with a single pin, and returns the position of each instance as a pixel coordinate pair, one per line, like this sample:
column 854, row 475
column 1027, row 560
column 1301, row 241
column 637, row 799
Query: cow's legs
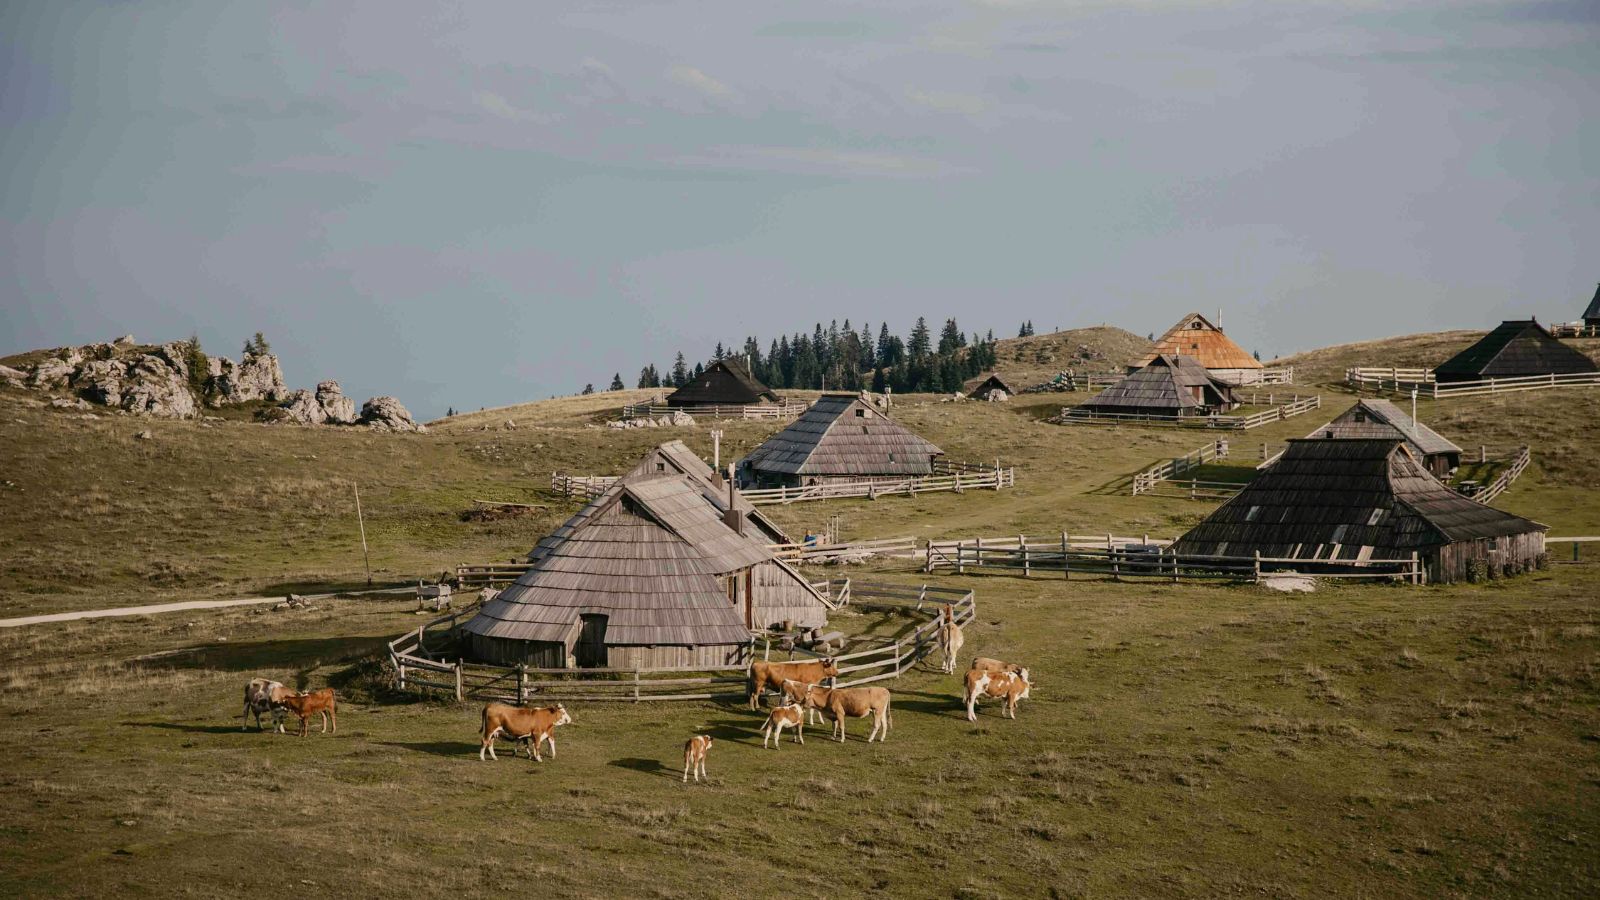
column 488, row 744
column 333, row 713
column 551, row 737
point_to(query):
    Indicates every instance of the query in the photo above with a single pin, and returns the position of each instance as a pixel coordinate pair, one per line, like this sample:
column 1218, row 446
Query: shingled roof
column 675, row 456
column 1164, row 386
column 647, row 554
column 1518, row 347
column 1196, row 337
column 1591, row 315
column 842, row 435
column 1353, row 500
column 985, row 383
column 725, row 382
column 1383, row 419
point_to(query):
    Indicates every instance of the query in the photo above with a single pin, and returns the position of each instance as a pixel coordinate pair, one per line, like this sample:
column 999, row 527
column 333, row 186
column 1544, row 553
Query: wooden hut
column 648, row 574
column 676, row 457
column 726, row 382
column 1591, row 315
column 1198, row 338
column 840, row 438
column 1169, row 387
column 1362, row 499
column 988, row 386
column 1383, row 419
column 1517, row 348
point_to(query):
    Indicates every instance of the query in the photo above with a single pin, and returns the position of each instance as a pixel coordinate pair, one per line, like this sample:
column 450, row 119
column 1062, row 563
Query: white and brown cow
column 764, row 675
column 795, row 692
column 521, row 724
column 694, row 757
column 950, row 638
column 263, row 695
column 842, row 703
column 791, row 715
column 986, row 664
column 1006, row 685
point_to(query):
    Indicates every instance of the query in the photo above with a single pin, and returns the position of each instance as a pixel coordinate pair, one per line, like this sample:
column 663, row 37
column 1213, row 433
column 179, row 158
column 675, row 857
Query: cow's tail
column 484, row 731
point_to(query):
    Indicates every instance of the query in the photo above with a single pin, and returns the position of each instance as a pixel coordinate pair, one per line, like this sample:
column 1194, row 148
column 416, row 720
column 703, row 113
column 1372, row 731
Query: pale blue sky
column 496, row 202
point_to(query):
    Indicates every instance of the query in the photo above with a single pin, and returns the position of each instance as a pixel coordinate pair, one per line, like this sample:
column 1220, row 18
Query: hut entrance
column 591, row 650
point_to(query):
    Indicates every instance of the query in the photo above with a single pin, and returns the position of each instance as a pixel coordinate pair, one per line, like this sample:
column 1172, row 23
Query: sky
column 481, row 204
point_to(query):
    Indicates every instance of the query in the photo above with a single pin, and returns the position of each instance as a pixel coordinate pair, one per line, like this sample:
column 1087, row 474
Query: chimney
column 731, row 516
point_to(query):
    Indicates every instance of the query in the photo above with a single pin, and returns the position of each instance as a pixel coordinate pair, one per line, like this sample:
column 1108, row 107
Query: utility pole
column 366, row 558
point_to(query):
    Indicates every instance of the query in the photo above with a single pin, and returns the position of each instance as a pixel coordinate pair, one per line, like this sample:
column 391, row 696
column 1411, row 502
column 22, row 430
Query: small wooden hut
column 1383, row 419
column 1362, row 499
column 726, row 382
column 1517, row 348
column 1591, row 315
column 676, row 457
column 992, row 387
column 840, row 438
column 648, row 574
column 1198, row 338
column 1169, row 387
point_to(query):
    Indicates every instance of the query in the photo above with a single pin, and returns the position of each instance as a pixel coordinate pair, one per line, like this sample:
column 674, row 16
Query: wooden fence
column 421, row 659
column 1404, row 381
column 469, row 575
column 1146, row 481
column 1119, row 558
column 1495, row 488
column 788, row 409
column 959, row 481
column 1296, row 406
column 581, row 487
column 1575, row 330
column 901, row 548
column 1268, row 375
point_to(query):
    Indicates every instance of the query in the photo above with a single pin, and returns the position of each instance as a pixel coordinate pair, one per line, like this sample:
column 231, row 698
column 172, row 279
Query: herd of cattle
column 802, row 686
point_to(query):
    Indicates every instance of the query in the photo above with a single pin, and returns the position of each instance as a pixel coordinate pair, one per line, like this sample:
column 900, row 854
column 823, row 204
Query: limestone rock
column 300, row 408
column 337, row 408
column 156, row 384
column 69, row 403
column 124, row 341
column 101, row 380
column 678, row 417
column 56, row 371
column 386, row 414
column 12, row 377
column 257, row 376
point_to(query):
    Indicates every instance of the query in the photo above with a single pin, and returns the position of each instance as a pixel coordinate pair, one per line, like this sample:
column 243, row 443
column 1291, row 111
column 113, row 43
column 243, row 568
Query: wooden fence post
column 978, row 552
column 636, row 684
column 1022, row 544
column 402, row 666
column 458, row 681
column 1416, row 567
column 1066, row 570
column 1258, row 567
column 522, row 683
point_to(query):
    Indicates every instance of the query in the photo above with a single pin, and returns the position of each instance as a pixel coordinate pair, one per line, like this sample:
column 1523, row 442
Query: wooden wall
column 779, row 597
column 1508, row 556
column 553, row 655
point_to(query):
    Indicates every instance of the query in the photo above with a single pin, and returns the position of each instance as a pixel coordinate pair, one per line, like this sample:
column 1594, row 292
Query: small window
column 861, row 413
column 1361, row 415
column 1376, row 515
column 1251, row 515
column 1494, row 543
column 661, row 467
column 1338, row 534
column 1194, row 346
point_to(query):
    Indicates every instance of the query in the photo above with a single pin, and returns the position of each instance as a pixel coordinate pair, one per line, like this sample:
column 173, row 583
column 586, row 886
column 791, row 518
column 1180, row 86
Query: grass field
column 1193, row 740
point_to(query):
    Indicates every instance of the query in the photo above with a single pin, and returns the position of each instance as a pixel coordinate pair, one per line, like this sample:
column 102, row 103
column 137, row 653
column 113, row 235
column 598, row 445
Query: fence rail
column 788, row 409
column 1268, row 375
column 902, row 547
column 1404, row 381
column 1495, row 488
column 581, row 487
column 1146, row 481
column 1079, row 415
column 1574, row 330
column 984, row 479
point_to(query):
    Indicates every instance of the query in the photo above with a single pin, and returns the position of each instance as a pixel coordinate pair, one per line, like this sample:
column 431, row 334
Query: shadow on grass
column 450, row 749
column 296, row 654
column 646, row 766
column 199, row 729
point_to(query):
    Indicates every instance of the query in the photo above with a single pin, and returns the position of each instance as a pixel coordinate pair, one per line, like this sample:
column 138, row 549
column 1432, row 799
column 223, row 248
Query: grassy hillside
column 1327, row 365
column 1031, row 360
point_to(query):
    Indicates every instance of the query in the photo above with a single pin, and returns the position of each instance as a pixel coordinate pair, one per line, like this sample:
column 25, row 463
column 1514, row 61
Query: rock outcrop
column 255, row 377
column 13, row 377
column 386, row 414
column 341, row 410
column 326, row 406
column 152, row 384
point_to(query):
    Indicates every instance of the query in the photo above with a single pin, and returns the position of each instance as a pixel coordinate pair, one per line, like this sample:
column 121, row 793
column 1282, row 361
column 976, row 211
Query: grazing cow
column 842, row 703
column 795, row 692
column 791, row 715
column 985, row 664
column 950, row 638
column 263, row 695
column 694, row 757
column 764, row 675
column 304, row 706
column 1011, row 686
column 521, row 724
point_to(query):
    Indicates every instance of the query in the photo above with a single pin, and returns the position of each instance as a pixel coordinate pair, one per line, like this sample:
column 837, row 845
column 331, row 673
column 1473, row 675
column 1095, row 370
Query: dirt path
column 176, row 607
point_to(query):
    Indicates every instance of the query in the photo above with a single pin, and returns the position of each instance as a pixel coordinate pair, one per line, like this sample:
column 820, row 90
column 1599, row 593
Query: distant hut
column 1198, row 338
column 1383, row 419
column 1365, row 499
column 1169, row 387
column 1591, row 316
column 676, row 457
column 988, row 386
column 647, row 574
column 1517, row 348
column 726, row 382
column 840, row 438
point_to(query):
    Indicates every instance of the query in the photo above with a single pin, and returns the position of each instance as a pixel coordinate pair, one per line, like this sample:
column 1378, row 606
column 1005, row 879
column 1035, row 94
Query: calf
column 795, row 692
column 304, row 706
column 1011, row 686
column 263, row 695
column 840, row 703
column 765, row 675
column 694, row 757
column 788, row 716
column 521, row 724
column 950, row 638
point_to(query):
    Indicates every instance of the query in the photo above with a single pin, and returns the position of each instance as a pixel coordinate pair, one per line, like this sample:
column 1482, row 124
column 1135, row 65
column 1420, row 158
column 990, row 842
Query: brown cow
column 985, row 664
column 521, row 724
column 795, row 692
column 263, row 695
column 1011, row 686
column 694, row 757
column 791, row 715
column 950, row 638
column 304, row 706
column 842, row 703
column 764, row 675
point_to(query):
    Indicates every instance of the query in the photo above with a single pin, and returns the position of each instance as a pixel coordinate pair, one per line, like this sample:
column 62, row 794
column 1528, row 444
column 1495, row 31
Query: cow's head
column 561, row 715
column 1023, row 674
column 830, row 669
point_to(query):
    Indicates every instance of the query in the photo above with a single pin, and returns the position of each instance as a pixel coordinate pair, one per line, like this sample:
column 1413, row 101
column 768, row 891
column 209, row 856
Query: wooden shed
column 647, row 574
column 676, row 457
column 1517, row 348
column 726, row 382
column 1198, row 338
column 1360, row 499
column 840, row 438
column 992, row 387
column 1383, row 419
column 1169, row 387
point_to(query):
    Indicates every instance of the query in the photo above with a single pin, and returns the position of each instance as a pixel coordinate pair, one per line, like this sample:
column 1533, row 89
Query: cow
column 694, row 757
column 764, row 675
column 841, row 703
column 950, row 638
column 795, row 692
column 521, row 724
column 1011, row 686
column 304, row 706
column 791, row 715
column 263, row 695
column 985, row 664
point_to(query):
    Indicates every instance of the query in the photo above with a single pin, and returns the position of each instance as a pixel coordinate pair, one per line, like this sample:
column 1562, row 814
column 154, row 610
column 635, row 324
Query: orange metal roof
column 1195, row 337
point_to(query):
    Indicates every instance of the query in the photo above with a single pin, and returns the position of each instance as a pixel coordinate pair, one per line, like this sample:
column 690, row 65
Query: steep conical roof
column 842, row 435
column 1518, row 347
column 1196, row 337
column 1592, row 314
column 724, row 383
column 1165, row 385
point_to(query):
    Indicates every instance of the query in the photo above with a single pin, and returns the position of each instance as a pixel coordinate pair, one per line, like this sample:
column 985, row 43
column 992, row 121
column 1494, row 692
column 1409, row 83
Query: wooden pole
column 1065, row 571
column 522, row 683
column 458, row 681
column 1022, row 544
column 366, row 558
column 1258, row 566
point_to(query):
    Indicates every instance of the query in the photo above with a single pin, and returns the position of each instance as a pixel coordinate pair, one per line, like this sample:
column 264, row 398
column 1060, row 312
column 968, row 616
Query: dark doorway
column 591, row 649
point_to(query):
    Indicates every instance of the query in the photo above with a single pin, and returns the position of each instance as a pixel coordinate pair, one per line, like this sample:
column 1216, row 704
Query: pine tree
column 644, row 376
column 616, row 382
column 699, row 369
column 719, row 354
column 680, row 371
column 588, row 388
column 920, row 344
column 869, row 355
column 879, row 382
column 258, row 346
column 199, row 366
column 950, row 338
column 1258, row 356
column 450, row 412
column 885, row 348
